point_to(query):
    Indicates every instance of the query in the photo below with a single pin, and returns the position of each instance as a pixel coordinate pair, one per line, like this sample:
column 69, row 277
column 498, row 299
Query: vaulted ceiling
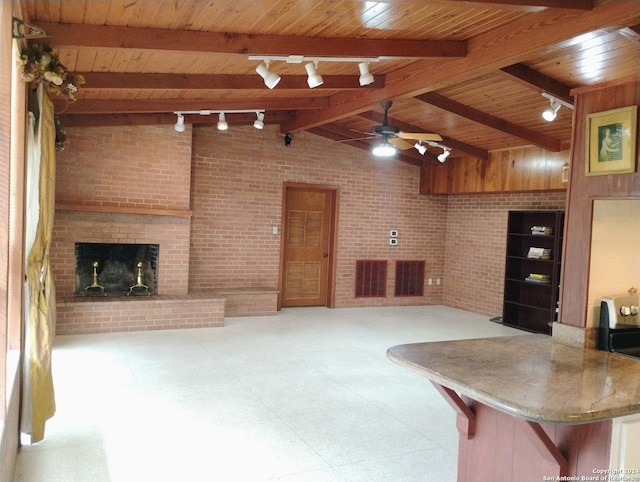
column 471, row 71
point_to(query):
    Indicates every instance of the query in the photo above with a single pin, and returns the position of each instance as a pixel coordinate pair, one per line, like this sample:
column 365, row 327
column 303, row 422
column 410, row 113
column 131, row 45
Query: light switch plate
column 393, row 233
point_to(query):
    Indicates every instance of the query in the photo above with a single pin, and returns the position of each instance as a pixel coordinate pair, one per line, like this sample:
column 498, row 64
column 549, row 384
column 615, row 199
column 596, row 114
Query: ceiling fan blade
column 421, row 136
column 400, row 143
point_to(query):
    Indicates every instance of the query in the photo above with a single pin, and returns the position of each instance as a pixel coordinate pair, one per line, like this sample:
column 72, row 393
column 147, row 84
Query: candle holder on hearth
column 139, row 288
column 95, row 287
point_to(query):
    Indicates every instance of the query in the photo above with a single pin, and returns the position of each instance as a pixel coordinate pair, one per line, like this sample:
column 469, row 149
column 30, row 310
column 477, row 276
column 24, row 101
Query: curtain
column 39, row 399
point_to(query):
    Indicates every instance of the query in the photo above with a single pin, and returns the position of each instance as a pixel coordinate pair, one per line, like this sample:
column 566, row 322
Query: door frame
column 333, row 192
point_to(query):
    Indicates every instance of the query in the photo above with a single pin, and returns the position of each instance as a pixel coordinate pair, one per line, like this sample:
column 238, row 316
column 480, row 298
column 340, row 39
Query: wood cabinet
column 532, row 269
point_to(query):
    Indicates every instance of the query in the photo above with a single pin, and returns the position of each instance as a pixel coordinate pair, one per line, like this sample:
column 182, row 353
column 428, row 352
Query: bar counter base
column 509, row 448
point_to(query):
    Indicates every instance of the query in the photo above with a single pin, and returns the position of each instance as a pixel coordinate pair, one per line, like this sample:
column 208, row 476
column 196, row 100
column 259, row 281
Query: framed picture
column 611, row 141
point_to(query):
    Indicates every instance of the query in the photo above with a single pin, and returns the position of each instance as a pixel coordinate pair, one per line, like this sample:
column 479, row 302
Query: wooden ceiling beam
column 101, row 120
column 488, row 52
column 539, row 82
column 133, row 106
column 535, row 138
column 109, row 36
column 446, row 141
column 112, row 80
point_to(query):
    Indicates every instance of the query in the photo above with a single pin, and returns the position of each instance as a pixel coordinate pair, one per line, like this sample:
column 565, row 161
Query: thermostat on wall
column 393, row 241
column 393, row 233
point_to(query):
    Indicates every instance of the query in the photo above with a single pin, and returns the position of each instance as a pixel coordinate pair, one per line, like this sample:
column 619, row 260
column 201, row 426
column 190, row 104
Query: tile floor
column 307, row 395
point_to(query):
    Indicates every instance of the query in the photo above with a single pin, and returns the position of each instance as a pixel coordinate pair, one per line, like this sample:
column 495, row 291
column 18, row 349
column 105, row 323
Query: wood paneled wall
column 584, row 190
column 514, row 170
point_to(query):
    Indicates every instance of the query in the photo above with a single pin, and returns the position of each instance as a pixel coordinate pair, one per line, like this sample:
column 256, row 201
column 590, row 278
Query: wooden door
column 308, row 214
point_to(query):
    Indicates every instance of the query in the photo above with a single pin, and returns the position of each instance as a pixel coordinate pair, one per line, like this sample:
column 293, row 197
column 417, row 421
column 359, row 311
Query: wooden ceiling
column 471, row 71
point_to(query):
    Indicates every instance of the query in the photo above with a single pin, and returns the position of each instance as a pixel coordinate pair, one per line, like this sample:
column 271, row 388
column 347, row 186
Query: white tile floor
column 307, row 395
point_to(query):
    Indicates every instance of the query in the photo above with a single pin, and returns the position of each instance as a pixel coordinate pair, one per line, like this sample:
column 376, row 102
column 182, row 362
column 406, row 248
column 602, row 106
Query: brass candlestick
column 95, row 286
column 139, row 286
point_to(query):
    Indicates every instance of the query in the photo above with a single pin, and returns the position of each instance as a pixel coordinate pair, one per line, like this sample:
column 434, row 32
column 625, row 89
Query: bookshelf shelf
column 531, row 304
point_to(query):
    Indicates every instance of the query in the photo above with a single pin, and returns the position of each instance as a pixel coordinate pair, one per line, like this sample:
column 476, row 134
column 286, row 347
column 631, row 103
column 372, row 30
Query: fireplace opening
column 114, row 269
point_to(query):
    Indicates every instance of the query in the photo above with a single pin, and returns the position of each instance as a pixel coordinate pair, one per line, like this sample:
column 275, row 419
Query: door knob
column 324, row 255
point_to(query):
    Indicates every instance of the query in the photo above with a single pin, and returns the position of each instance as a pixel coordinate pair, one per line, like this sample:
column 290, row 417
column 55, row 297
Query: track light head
column 549, row 114
column 313, row 78
column 180, row 127
column 259, row 122
column 222, row 123
column 443, row 157
column 365, row 76
column 420, row 148
column 271, row 79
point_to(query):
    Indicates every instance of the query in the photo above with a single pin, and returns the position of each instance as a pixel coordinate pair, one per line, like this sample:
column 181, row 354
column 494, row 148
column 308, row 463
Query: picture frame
column 611, row 141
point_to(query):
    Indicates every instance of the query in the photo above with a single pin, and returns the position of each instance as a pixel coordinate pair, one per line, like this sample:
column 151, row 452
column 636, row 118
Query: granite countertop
column 530, row 376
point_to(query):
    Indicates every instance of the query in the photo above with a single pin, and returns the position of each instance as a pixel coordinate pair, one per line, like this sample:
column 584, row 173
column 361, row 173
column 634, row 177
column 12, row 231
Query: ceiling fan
column 393, row 137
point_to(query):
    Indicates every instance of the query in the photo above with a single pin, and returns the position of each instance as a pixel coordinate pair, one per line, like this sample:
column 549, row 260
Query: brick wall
column 234, row 181
column 237, row 189
column 124, row 167
column 476, row 246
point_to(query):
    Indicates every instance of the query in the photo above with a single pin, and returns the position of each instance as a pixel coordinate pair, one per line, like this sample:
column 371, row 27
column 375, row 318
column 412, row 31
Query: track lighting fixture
column 445, row 153
column 549, row 114
column 259, row 122
column 384, row 149
column 365, row 76
column 420, row 148
column 271, row 79
column 180, row 127
column 222, row 122
column 313, row 78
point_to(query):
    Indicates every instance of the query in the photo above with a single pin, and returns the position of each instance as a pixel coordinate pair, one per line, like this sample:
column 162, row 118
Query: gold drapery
column 42, row 309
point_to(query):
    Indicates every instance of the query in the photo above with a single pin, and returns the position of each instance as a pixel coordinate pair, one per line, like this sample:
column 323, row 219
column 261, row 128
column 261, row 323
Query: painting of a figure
column 610, row 145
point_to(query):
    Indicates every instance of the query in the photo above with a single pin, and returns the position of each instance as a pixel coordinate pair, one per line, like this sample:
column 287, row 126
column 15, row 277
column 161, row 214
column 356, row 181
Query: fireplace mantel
column 118, row 209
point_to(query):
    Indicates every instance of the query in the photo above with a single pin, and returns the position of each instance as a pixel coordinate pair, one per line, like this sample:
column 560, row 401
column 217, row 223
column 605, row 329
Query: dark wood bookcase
column 532, row 305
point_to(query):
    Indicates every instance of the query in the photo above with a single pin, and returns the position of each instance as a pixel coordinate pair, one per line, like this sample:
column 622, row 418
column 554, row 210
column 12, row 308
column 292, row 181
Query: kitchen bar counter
column 515, row 394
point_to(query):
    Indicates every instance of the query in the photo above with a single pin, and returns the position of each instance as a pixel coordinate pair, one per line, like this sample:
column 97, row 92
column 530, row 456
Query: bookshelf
column 532, row 269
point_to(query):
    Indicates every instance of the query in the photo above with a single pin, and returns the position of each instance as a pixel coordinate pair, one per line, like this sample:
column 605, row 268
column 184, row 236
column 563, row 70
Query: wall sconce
column 549, row 114
column 287, row 140
column 565, row 172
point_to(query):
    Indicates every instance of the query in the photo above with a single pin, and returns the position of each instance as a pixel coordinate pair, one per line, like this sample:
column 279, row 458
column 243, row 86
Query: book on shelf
column 538, row 278
column 539, row 253
column 541, row 230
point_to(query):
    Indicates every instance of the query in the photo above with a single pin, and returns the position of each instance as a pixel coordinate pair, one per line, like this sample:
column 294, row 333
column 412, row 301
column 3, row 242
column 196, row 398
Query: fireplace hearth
column 116, row 269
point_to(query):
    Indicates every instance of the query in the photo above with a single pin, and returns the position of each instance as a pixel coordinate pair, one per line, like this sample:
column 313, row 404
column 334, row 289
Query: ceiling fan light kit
column 385, row 149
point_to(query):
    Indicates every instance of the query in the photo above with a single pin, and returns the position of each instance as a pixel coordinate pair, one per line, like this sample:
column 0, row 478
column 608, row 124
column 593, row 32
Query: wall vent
column 371, row 278
column 409, row 278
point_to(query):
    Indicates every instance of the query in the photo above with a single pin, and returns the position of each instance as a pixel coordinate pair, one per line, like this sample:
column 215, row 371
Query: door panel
column 306, row 250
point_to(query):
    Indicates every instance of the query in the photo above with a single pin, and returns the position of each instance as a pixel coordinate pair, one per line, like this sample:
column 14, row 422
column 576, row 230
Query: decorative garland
column 39, row 64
